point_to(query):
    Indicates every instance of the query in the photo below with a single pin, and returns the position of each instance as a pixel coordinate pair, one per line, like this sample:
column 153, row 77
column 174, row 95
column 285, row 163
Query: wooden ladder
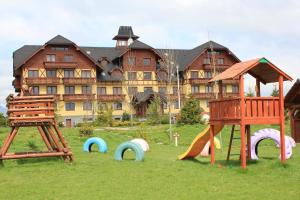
column 230, row 141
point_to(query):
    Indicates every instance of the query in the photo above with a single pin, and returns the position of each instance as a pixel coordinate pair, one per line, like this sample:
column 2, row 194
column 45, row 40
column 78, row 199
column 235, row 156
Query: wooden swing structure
column 245, row 111
column 35, row 111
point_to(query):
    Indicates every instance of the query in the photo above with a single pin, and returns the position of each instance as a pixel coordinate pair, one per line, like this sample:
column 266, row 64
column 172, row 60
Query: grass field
column 160, row 176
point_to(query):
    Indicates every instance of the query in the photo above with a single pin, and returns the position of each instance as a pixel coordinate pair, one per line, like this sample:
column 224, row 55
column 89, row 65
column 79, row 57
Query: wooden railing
column 258, row 110
column 79, row 80
column 198, row 80
column 110, row 97
column 54, row 65
column 203, row 95
column 42, row 80
column 78, row 97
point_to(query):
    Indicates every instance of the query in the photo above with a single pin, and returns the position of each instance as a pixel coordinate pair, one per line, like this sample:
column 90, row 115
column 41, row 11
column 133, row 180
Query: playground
column 161, row 176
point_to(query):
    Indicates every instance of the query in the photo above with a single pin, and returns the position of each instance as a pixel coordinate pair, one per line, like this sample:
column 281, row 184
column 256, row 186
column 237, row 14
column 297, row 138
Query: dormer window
column 68, row 58
column 122, row 43
column 59, row 48
column 50, row 58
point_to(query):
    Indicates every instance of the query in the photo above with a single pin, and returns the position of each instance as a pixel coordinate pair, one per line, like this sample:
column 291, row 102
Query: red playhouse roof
column 259, row 68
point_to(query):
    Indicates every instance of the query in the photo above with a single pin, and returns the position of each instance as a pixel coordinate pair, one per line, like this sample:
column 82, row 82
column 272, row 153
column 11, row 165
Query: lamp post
column 178, row 89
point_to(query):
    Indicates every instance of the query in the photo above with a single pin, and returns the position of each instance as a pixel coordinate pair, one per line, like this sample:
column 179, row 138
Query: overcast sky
column 248, row 28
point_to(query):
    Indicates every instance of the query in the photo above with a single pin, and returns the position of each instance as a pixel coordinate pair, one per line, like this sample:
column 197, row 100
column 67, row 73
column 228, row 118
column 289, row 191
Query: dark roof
column 23, row 53
column 184, row 57
column 125, row 32
column 141, row 97
column 259, row 68
column 60, row 40
column 293, row 95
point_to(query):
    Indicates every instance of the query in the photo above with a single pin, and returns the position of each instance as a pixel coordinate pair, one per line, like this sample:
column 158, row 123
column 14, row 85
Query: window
column 131, row 76
column 206, row 61
column 122, row 43
column 175, row 90
column 176, row 104
column 69, row 106
column 102, row 106
column 117, row 90
column 69, row 90
column 214, row 52
column 50, row 57
column 195, row 89
column 86, row 73
column 33, row 73
column 208, row 89
column 235, row 88
column 165, row 105
column 35, row 90
column 146, row 61
column 207, row 74
column 59, row 48
column 51, row 73
column 162, row 90
column 220, row 61
column 101, row 90
column 51, row 90
column 117, row 106
column 68, row 58
column 87, row 105
column 148, row 89
column 131, row 60
column 132, row 90
column 86, row 89
column 147, row 75
column 194, row 74
column 68, row 73
column 224, row 88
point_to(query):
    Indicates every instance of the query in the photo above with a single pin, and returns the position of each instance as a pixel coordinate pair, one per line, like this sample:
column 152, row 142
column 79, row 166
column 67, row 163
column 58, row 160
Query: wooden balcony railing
column 203, row 95
column 218, row 67
column 78, row 97
column 56, row 96
column 231, row 94
column 198, row 80
column 257, row 110
column 42, row 80
column 79, row 81
column 54, row 65
column 230, row 81
column 110, row 97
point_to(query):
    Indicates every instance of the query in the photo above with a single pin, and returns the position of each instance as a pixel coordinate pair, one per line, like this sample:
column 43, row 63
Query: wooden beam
column 281, row 113
column 242, row 123
column 257, row 87
column 212, row 146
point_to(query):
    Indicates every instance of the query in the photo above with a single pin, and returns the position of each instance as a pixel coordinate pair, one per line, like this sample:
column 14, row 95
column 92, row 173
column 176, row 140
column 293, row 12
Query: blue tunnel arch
column 102, row 146
column 139, row 153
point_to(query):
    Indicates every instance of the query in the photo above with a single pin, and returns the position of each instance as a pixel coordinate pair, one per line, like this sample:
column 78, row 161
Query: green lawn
column 160, row 176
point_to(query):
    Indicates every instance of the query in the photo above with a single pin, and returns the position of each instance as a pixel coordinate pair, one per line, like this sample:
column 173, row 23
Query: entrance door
column 141, row 110
column 68, row 123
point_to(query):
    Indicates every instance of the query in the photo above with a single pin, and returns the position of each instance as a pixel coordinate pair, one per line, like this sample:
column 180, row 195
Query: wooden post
column 281, row 113
column 248, row 142
column 212, row 146
column 220, row 85
column 257, row 88
column 242, row 123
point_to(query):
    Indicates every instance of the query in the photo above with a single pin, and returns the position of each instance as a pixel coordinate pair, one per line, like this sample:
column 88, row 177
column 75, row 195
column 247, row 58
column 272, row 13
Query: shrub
column 190, row 113
column 165, row 119
column 117, row 123
column 154, row 112
column 104, row 117
column 86, row 130
column 125, row 117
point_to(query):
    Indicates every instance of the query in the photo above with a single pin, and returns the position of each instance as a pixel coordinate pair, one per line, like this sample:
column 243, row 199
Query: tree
column 154, row 111
column 104, row 116
column 190, row 112
column 3, row 120
column 250, row 92
column 275, row 91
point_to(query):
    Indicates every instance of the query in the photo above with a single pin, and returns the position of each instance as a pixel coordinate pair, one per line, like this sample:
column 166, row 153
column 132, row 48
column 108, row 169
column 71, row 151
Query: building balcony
column 218, row 67
column 203, row 95
column 42, row 80
column 175, row 96
column 79, row 81
column 110, row 97
column 198, row 80
column 78, row 97
column 231, row 94
column 56, row 96
column 55, row 65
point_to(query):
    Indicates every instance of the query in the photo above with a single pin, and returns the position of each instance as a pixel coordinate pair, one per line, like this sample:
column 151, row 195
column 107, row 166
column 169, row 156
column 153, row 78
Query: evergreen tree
column 190, row 113
column 275, row 91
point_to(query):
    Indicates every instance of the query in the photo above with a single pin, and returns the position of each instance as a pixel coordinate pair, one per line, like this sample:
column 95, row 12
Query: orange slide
column 199, row 142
